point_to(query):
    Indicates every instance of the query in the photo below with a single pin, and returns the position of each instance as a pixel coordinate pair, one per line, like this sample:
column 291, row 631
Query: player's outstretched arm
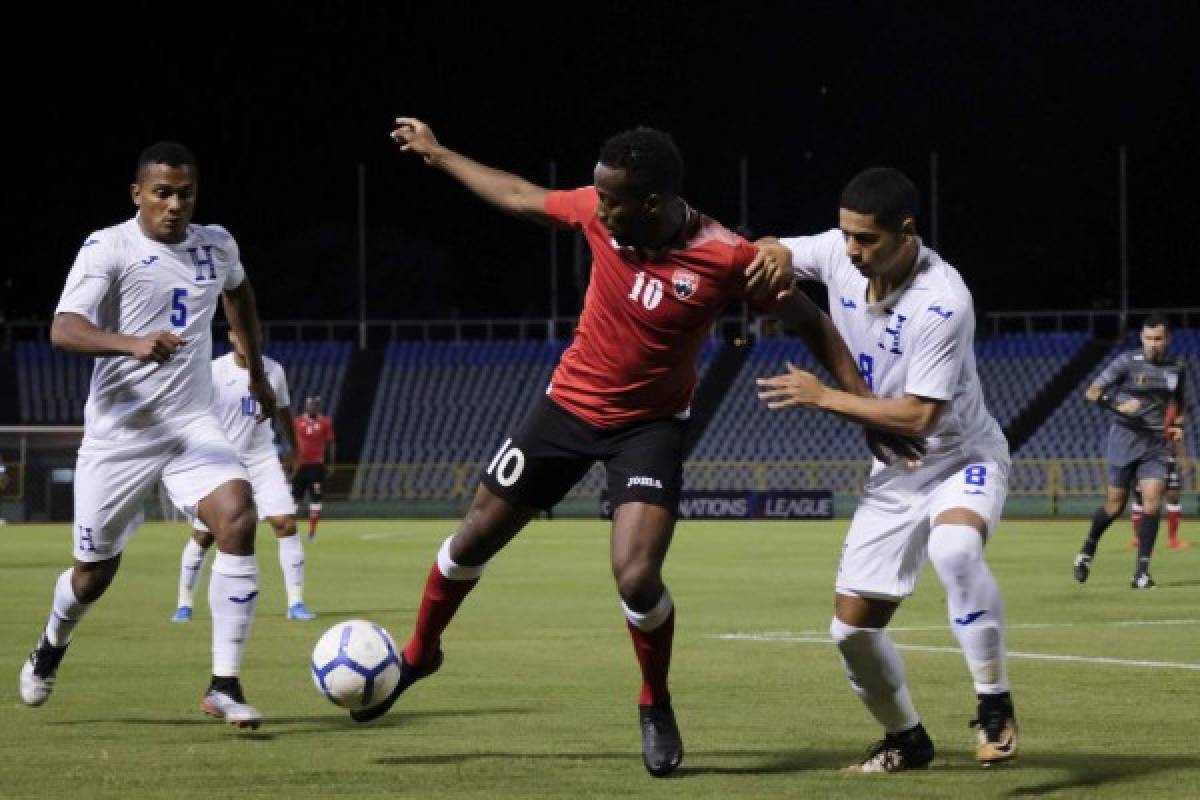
column 242, row 312
column 76, row 334
column 287, row 429
column 505, row 191
column 909, row 415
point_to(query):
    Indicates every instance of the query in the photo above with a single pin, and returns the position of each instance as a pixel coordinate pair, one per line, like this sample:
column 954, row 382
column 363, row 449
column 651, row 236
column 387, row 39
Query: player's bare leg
column 228, row 512
column 976, row 611
column 74, row 593
column 489, row 525
column 641, row 535
column 1114, row 503
column 876, row 674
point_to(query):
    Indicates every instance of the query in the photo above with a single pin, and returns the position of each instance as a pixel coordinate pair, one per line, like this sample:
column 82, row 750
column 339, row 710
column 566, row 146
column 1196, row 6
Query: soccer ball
column 355, row 664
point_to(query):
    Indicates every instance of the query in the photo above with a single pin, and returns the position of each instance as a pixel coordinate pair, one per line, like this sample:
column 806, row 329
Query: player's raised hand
column 260, row 387
column 770, row 273
column 793, row 388
column 157, row 347
column 415, row 136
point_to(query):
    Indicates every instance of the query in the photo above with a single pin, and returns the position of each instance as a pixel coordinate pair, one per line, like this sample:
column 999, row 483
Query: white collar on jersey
column 884, row 306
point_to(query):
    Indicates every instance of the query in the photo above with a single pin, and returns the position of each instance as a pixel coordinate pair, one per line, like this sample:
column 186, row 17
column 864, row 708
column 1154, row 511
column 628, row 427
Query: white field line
column 786, row 635
column 814, row 638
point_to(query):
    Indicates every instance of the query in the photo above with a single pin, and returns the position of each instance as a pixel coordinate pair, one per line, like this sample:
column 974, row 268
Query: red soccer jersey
column 643, row 321
column 311, row 435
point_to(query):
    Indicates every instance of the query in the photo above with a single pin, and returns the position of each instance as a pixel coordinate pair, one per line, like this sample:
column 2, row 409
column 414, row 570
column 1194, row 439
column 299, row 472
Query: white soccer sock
column 232, row 596
column 974, row 604
column 65, row 612
column 654, row 618
column 189, row 572
column 291, row 560
column 453, row 570
column 876, row 674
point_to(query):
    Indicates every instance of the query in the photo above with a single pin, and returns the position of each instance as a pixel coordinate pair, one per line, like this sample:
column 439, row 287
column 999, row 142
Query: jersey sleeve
column 573, row 208
column 279, row 384
column 814, row 257
column 95, row 270
column 1114, row 373
column 232, row 256
column 943, row 338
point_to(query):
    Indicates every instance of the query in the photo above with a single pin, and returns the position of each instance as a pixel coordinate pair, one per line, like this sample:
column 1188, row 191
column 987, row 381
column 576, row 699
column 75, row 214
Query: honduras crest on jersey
column 684, row 283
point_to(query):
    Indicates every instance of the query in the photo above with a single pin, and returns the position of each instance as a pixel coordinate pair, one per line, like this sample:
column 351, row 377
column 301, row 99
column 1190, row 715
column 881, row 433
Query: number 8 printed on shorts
column 976, row 475
column 508, row 464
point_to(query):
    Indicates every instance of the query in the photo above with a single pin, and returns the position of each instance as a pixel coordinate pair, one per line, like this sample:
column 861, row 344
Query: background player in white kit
column 236, row 410
column 141, row 299
column 908, row 317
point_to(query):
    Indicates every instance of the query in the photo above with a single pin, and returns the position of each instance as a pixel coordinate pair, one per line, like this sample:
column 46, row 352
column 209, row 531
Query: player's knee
column 955, row 549
column 639, row 582
column 93, row 579
column 848, row 638
column 285, row 528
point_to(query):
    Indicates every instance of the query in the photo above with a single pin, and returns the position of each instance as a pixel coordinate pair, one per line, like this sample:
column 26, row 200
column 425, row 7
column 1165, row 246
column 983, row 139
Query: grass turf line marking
column 1121, row 662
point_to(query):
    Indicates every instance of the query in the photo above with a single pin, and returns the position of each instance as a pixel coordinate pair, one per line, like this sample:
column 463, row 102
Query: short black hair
column 883, row 192
column 650, row 158
column 173, row 154
column 1155, row 320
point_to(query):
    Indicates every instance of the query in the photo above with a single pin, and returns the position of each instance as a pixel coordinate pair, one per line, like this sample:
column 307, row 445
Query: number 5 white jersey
column 918, row 340
column 126, row 282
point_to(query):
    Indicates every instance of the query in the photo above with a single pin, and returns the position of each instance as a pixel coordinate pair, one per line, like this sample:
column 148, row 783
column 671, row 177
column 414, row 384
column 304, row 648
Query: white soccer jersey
column 918, row 340
column 126, row 282
column 237, row 410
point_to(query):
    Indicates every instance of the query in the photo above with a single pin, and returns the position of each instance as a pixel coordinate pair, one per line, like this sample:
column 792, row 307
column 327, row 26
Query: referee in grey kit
column 1144, row 389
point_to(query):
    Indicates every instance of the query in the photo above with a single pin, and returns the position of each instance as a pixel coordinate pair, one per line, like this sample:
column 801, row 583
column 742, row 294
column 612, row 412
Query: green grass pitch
column 537, row 695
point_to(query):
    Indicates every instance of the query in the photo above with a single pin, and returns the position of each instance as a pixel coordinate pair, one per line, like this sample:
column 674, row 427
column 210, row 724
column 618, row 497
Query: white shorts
column 272, row 495
column 191, row 458
column 887, row 543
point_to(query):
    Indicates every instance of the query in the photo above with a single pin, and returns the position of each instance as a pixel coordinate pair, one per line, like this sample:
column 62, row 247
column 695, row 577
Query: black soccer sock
column 1147, row 534
column 1100, row 522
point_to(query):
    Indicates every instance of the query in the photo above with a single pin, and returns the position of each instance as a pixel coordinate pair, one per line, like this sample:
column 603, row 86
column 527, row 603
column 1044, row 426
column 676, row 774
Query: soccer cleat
column 224, row 700
column 182, row 614
column 1142, row 581
column 896, row 752
column 1178, row 544
column 995, row 731
column 299, row 611
column 1083, row 567
column 662, row 746
column 408, row 676
column 38, row 673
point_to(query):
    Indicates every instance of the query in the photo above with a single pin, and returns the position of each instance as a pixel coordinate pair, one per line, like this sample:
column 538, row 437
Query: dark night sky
column 1024, row 102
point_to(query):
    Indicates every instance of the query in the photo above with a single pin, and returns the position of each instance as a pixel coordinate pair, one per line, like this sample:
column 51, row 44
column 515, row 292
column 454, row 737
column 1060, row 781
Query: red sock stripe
column 653, row 650
column 439, row 603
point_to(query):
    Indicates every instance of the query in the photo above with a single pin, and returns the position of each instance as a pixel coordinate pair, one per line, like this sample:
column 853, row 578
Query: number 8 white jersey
column 126, row 282
column 919, row 340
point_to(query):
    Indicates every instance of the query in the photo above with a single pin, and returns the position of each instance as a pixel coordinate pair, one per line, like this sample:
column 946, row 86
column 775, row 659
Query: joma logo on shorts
column 642, row 480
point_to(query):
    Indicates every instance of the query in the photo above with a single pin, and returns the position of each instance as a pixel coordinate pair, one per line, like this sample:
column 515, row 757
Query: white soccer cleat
column 34, row 690
column 38, row 673
column 221, row 705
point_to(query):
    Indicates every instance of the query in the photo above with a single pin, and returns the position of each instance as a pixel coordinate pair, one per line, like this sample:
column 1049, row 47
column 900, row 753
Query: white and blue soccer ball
column 355, row 664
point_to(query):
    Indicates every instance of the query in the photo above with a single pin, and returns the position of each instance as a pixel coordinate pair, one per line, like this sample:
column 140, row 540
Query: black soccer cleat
column 1083, row 567
column 995, row 730
column 408, row 676
column 662, row 746
column 896, row 752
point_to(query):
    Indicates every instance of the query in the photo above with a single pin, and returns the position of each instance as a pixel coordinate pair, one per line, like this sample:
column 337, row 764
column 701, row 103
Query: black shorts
column 1173, row 481
column 308, row 479
column 553, row 449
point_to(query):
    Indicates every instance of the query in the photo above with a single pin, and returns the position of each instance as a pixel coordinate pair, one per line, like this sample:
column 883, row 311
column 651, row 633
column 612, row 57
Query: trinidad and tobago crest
column 684, row 283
